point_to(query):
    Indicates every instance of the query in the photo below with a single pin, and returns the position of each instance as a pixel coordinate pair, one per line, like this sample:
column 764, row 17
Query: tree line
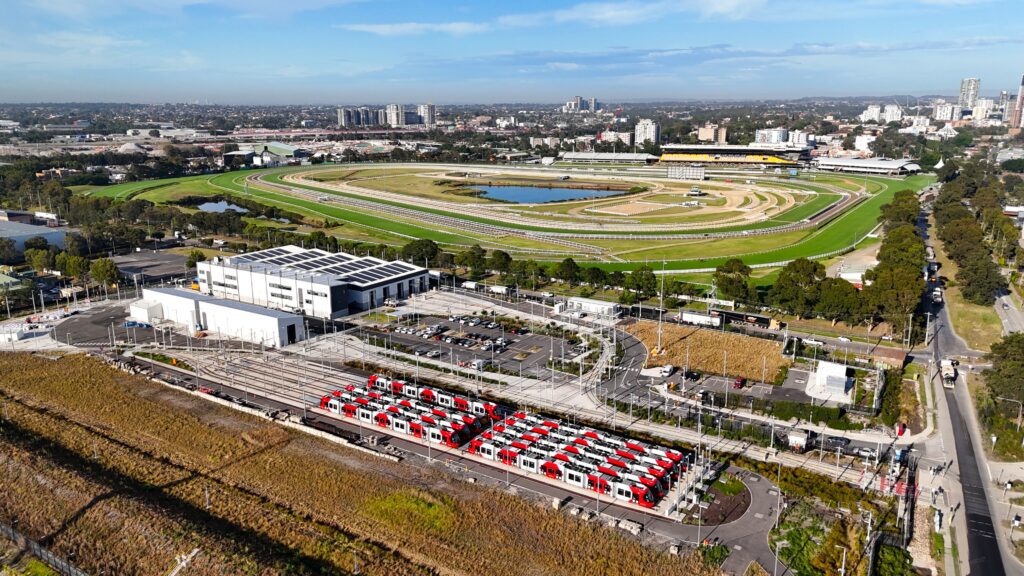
column 892, row 289
column 970, row 222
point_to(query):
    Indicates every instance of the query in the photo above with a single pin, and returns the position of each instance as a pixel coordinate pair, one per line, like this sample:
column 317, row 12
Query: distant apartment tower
column 969, row 88
column 1017, row 116
column 349, row 117
column 1004, row 100
column 426, row 113
column 712, row 133
column 771, row 136
column 382, row 116
column 982, row 108
column 395, row 114
column 944, row 111
column 800, row 138
column 648, row 130
column 893, row 113
column 873, row 113
column 592, row 106
column 612, row 136
column 367, row 117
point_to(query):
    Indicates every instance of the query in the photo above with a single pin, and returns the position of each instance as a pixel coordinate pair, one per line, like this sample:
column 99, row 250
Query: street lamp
column 842, row 571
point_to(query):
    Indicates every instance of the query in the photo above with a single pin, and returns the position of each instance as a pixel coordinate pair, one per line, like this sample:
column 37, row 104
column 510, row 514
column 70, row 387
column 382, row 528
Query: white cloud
column 413, row 28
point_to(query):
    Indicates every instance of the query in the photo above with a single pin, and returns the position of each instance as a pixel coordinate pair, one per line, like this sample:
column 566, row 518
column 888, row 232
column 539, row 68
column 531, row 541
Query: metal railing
column 57, row 563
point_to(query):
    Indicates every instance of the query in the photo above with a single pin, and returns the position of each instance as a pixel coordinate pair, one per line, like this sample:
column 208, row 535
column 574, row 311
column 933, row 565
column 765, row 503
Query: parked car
column 739, row 383
column 692, row 376
column 834, row 442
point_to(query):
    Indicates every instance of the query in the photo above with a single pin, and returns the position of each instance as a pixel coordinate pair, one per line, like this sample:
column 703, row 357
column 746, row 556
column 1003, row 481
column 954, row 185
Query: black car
column 691, row 375
column 834, row 442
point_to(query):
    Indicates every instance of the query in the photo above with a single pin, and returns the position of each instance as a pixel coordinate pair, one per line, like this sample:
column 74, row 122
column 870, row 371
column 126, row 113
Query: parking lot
column 475, row 342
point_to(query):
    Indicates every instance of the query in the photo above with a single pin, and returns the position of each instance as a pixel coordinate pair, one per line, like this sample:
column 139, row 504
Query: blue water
column 220, row 207
column 533, row 194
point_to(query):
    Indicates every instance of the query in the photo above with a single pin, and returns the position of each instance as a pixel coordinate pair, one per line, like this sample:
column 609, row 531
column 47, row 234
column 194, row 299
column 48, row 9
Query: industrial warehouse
column 310, row 281
column 200, row 312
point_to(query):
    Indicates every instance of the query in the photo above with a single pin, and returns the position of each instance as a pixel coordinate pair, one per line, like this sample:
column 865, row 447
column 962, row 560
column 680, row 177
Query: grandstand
column 724, row 154
column 607, row 157
column 868, row 165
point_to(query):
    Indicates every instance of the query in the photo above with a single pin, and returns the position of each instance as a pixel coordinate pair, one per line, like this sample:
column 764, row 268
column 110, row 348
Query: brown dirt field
column 745, row 353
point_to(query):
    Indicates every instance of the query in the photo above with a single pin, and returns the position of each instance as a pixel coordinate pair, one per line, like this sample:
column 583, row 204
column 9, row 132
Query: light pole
column 842, row 571
column 778, row 545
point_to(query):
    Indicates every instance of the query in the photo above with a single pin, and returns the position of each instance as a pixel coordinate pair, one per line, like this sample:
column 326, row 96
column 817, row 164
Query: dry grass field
column 124, row 474
column 707, row 350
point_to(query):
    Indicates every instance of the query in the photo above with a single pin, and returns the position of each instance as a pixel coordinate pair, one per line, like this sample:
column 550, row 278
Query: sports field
column 726, row 223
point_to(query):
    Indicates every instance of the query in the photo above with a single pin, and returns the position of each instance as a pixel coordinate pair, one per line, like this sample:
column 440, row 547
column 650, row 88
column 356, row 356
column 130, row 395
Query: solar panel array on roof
column 346, row 267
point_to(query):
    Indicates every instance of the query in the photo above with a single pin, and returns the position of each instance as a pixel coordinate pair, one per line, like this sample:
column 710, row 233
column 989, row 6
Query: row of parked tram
column 624, row 469
column 583, row 457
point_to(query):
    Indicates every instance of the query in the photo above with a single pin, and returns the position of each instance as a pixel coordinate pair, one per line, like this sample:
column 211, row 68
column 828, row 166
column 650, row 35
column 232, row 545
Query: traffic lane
column 1009, row 314
column 983, row 548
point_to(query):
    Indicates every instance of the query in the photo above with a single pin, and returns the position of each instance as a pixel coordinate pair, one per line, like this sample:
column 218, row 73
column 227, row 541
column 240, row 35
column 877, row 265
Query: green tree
column 36, row 243
column 595, row 277
column 568, row 271
column 40, row 259
column 499, row 261
column 194, row 257
column 1015, row 165
column 474, row 258
column 422, row 252
column 796, row 289
column 104, row 271
column 1007, row 357
column 643, row 282
column 837, row 300
column 980, row 280
column 732, row 279
column 7, row 251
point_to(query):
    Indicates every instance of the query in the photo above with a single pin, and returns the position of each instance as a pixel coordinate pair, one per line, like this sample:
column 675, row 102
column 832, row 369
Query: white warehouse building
column 247, row 322
column 310, row 281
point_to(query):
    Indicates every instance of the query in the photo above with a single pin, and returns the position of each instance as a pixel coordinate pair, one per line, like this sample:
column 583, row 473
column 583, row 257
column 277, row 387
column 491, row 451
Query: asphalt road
column 983, row 552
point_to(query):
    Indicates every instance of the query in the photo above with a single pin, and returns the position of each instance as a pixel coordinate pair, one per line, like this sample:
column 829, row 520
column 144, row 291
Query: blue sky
column 352, row 51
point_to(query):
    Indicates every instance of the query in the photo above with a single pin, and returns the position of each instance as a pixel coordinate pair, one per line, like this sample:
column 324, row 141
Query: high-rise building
column 982, row 108
column 944, row 111
column 893, row 113
column 592, row 105
column 1017, row 116
column 771, row 136
column 648, row 130
column 612, row 136
column 1004, row 99
column 969, row 88
column 426, row 113
column 712, row 133
column 382, row 117
column 800, row 138
column 349, row 117
column 367, row 117
column 395, row 114
column 873, row 113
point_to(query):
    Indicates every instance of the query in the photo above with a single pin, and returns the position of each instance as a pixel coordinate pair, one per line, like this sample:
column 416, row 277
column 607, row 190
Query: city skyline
column 348, row 51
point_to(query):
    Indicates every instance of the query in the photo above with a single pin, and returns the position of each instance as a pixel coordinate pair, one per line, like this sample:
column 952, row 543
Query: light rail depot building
column 310, row 281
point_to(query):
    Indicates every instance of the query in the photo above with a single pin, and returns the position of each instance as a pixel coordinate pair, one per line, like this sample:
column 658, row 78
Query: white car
column 843, row 339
